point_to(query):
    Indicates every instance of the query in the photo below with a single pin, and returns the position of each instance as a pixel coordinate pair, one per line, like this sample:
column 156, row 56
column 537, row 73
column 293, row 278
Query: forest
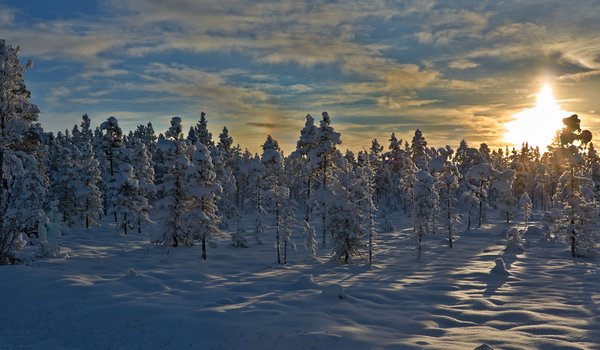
column 197, row 188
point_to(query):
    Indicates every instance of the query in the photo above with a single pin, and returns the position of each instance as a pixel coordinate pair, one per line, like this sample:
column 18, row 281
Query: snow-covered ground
column 122, row 292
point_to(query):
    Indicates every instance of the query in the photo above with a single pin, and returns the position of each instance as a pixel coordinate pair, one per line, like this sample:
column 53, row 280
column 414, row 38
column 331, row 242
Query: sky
column 454, row 69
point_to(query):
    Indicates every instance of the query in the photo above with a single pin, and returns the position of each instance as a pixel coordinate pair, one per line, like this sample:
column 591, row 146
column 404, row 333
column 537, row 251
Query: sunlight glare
column 536, row 125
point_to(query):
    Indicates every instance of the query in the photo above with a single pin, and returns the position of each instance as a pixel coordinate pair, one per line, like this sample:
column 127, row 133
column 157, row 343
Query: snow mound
column 306, row 282
column 334, row 291
column 141, row 281
column 534, row 231
column 499, row 269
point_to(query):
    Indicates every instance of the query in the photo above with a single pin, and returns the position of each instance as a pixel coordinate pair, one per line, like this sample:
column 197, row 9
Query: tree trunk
column 469, row 220
column 204, row 246
column 277, row 244
column 449, row 215
column 324, row 215
column 307, row 215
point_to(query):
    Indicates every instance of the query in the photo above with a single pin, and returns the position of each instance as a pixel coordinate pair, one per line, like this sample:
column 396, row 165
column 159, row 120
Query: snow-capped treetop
column 18, row 113
column 504, row 180
column 327, row 139
column 202, row 133
column 418, row 150
column 271, row 151
column 111, row 126
column 308, row 137
column 225, row 141
column 376, row 148
column 481, row 171
column 572, row 131
column 147, row 135
column 175, row 130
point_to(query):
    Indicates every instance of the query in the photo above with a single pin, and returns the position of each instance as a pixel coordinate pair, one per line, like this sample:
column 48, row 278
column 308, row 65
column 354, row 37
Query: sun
column 537, row 125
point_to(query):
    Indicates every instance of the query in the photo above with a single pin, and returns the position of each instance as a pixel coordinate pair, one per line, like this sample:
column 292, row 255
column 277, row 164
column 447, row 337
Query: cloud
column 7, row 15
column 261, row 66
column 463, row 64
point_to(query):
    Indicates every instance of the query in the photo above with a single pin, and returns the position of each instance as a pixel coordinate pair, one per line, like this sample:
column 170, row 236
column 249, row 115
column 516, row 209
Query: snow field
column 123, row 292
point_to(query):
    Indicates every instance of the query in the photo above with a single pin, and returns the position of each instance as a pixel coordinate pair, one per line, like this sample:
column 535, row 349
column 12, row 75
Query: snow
column 116, row 291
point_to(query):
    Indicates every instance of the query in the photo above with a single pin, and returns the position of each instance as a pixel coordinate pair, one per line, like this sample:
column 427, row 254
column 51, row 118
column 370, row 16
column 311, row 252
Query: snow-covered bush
column 514, row 241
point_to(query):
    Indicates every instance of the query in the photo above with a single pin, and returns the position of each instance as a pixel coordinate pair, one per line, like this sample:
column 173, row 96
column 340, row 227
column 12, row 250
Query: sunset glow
column 536, row 125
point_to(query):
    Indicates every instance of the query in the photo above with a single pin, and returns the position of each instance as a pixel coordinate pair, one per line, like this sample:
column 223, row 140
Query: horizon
column 377, row 68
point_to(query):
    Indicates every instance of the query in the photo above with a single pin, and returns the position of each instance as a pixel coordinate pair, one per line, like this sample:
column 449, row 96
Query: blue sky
column 455, row 69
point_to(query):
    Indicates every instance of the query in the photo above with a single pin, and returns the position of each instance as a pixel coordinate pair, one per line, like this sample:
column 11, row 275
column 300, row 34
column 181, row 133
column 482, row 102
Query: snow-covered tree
column 63, row 172
column 449, row 218
column 88, row 194
column 346, row 224
column 238, row 238
column 310, row 241
column 418, row 150
column 425, row 197
column 363, row 192
column 199, row 133
column 575, row 194
column 203, row 190
column 287, row 221
column 505, row 200
column 140, row 159
column 407, row 183
column 526, row 207
column 174, row 187
column 480, row 177
column 128, row 202
column 21, row 184
column 304, row 147
column 322, row 160
column 112, row 143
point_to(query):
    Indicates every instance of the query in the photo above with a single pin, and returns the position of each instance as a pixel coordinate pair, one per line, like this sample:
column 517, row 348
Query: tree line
column 196, row 187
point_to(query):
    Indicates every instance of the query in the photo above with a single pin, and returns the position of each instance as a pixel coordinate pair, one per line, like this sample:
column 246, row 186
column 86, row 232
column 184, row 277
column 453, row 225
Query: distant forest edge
column 197, row 188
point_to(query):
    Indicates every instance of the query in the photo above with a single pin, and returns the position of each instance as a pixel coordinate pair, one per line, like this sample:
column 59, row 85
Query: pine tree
column 448, row 185
column 128, row 203
column 525, row 204
column 112, row 143
column 363, row 193
column 310, row 242
column 322, row 160
column 21, row 184
column 143, row 171
column 174, row 203
column 286, row 220
column 407, row 183
column 202, row 134
column 575, row 190
column 63, row 171
column 304, row 147
column 480, row 176
column 505, row 201
column 203, row 190
column 418, row 150
column 424, row 202
column 88, row 195
column 224, row 160
column 345, row 222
